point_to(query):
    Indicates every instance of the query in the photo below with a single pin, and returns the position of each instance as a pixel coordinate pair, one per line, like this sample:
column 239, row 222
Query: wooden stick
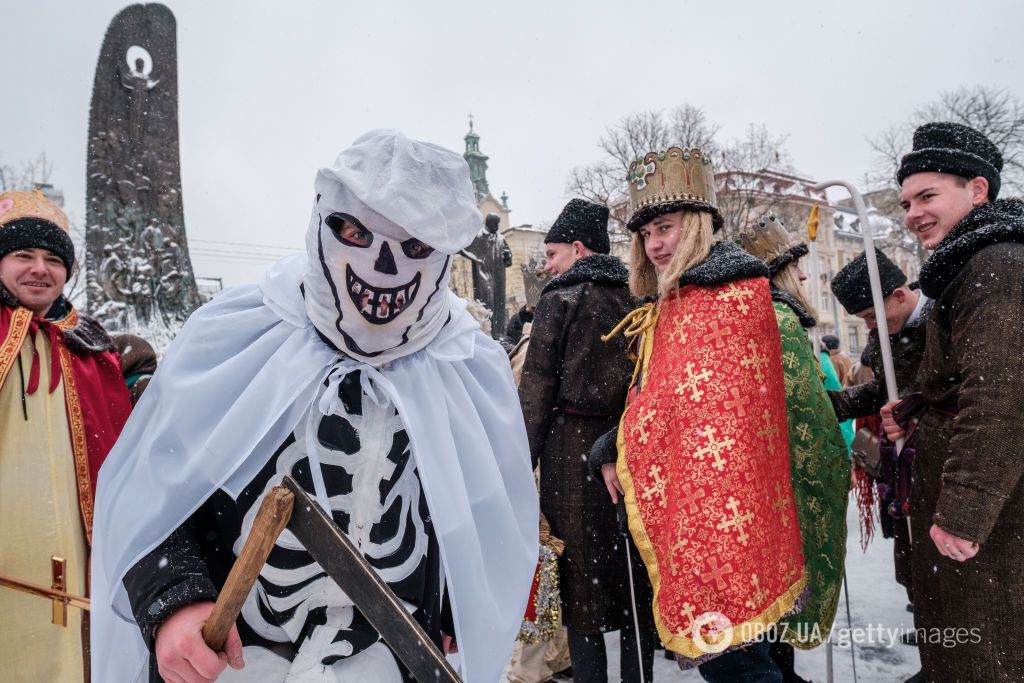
column 271, row 519
column 43, row 591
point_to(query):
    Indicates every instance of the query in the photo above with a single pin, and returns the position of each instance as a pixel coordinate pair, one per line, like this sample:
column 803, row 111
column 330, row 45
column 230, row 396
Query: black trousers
column 587, row 650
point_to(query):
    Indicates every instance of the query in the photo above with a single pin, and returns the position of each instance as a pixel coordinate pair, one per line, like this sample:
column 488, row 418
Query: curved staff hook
column 878, row 302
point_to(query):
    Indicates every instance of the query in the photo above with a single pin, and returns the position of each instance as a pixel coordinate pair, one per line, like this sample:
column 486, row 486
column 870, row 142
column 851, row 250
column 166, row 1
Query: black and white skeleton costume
column 298, row 623
column 354, row 369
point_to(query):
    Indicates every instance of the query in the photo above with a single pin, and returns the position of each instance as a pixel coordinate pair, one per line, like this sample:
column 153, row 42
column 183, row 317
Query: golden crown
column 769, row 240
column 34, row 204
column 674, row 175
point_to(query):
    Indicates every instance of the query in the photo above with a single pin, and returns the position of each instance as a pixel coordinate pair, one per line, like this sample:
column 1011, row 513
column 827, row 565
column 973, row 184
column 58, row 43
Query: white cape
column 233, row 386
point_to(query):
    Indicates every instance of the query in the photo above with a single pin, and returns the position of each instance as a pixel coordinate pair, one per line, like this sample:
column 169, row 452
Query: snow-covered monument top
column 138, row 272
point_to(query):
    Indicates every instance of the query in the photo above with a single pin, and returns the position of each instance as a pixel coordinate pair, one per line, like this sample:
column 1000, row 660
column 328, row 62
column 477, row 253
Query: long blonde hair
column 788, row 282
column 695, row 240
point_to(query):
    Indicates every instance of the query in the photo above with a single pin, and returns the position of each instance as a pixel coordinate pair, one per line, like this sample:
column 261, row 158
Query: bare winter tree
column 35, row 174
column 26, row 175
column 604, row 181
column 752, row 174
column 993, row 111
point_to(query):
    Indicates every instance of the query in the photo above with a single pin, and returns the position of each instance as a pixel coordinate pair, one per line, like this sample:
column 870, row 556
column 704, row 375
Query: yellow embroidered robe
column 39, row 518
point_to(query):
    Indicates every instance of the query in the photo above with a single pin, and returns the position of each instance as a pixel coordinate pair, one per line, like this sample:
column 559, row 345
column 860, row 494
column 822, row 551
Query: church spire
column 477, row 162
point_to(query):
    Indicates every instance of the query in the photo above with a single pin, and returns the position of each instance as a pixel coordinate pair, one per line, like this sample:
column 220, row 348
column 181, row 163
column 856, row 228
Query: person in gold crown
column 62, row 405
column 818, row 461
column 702, row 452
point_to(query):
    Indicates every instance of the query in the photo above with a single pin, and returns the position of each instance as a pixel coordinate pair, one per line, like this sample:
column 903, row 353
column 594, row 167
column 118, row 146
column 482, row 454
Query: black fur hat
column 582, row 221
column 944, row 147
column 852, row 286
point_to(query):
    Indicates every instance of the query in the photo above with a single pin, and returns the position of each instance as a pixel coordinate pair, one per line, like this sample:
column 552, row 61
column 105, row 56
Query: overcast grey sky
column 271, row 91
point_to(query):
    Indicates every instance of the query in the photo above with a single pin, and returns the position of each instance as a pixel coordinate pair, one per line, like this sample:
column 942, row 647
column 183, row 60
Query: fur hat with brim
column 582, row 221
column 852, row 285
column 956, row 149
column 28, row 220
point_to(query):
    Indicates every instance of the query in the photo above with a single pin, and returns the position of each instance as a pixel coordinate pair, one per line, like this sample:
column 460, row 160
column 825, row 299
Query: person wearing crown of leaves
column 818, row 459
column 63, row 403
column 702, row 451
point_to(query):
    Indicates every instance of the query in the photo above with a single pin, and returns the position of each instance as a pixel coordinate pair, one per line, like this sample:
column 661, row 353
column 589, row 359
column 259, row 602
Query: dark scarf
column 988, row 224
column 600, row 269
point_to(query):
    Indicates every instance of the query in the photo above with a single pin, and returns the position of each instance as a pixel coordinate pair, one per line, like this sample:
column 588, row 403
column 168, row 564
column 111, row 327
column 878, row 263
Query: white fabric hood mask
column 388, row 216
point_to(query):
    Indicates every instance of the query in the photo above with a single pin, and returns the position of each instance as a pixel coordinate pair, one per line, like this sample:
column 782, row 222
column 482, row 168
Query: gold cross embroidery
column 769, row 431
column 687, row 616
column 658, row 488
column 679, row 329
column 754, row 359
column 676, row 550
column 692, row 381
column 759, row 593
column 714, row 447
column 739, row 402
column 780, row 504
column 718, row 335
column 803, row 430
column 717, row 574
column 739, row 295
column 737, row 521
column 691, row 497
column 641, row 425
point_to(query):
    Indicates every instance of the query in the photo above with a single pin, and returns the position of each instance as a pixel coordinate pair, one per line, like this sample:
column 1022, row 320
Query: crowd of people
column 660, row 452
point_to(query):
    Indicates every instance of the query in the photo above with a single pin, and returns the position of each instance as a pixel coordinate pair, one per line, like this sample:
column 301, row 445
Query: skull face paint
column 371, row 288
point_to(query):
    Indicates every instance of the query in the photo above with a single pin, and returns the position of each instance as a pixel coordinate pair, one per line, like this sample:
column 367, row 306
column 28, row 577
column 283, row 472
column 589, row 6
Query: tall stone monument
column 138, row 273
column 492, row 257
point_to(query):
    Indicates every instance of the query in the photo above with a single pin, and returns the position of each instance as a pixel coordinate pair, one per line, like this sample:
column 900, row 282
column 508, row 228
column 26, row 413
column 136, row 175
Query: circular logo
column 712, row 632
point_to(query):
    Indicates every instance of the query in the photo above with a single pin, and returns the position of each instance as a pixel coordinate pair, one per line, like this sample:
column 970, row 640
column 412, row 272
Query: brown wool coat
column 967, row 475
column 572, row 391
column 862, row 400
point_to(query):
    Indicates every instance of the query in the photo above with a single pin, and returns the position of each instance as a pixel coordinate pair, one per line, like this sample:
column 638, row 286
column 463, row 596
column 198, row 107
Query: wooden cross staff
column 290, row 506
column 56, row 591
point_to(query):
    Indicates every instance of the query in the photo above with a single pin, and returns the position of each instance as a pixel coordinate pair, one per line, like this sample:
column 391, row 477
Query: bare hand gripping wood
column 341, row 561
column 273, row 516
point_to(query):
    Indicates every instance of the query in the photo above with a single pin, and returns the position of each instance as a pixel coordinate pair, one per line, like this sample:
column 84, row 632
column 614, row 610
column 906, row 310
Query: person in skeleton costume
column 355, row 370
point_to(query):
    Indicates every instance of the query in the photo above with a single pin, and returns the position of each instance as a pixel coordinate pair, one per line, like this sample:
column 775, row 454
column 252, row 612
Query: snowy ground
column 879, row 617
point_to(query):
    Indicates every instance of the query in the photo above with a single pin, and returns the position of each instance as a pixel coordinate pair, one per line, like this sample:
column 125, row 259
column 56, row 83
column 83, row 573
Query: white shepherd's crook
column 878, row 301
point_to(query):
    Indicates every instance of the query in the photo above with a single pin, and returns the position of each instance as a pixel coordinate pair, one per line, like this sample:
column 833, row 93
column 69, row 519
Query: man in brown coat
column 906, row 313
column 967, row 508
column 572, row 391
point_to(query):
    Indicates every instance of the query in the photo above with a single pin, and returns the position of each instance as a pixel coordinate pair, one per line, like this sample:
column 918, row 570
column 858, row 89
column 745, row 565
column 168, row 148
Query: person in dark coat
column 967, row 508
column 906, row 316
column 840, row 359
column 572, row 391
column 138, row 363
column 514, row 330
column 906, row 313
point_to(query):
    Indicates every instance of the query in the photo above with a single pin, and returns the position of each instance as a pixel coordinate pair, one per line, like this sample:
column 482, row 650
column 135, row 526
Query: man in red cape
column 703, row 454
column 63, row 403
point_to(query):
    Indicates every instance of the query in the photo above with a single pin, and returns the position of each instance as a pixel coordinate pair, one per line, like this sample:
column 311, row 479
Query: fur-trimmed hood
column 85, row 338
column 806, row 319
column 601, row 269
column 726, row 262
column 988, row 224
